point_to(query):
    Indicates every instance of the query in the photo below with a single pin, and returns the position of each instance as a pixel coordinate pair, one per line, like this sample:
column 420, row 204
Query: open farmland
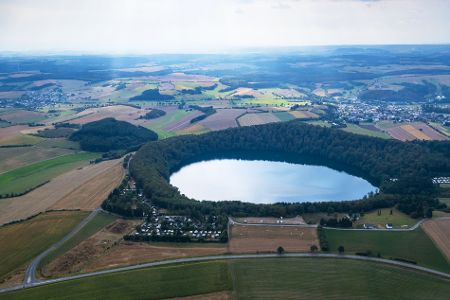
column 22, row 116
column 411, row 245
column 257, row 119
column 222, row 119
column 260, row 238
column 183, row 123
column 30, row 176
column 439, row 231
column 357, row 129
column 119, row 112
column 276, row 278
column 415, row 131
column 303, row 114
column 46, row 196
column 23, row 241
column 12, row 135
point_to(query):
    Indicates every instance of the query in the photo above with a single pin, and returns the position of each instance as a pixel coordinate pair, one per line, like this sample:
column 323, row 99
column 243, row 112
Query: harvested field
column 239, row 92
column 222, row 119
column 56, row 190
column 9, row 133
column 22, row 116
column 301, row 114
column 119, row 112
column 415, row 131
column 194, row 129
column 268, row 220
column 91, row 194
column 182, row 123
column 255, row 238
column 257, row 119
column 439, row 231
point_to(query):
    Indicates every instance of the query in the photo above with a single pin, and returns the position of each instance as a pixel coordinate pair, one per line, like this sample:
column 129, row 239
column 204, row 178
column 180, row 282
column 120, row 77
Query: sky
column 202, row 26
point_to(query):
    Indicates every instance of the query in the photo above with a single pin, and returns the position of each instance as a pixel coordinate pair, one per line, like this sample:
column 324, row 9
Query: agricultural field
column 411, row 245
column 13, row 135
column 22, row 116
column 268, row 220
column 253, row 238
column 156, row 283
column 172, row 116
column 397, row 219
column 415, row 131
column 222, row 119
column 23, row 241
column 303, row 114
column 353, row 128
column 30, row 176
column 439, row 231
column 251, row 119
column 119, row 112
column 277, row 278
column 58, row 189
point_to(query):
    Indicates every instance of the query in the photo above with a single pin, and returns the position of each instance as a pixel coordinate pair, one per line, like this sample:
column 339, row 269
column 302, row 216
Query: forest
column 402, row 171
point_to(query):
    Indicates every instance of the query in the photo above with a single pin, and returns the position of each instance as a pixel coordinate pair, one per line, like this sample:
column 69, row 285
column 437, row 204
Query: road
column 234, row 257
column 30, row 273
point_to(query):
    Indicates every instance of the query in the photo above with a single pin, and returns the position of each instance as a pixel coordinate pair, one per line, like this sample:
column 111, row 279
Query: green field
column 101, row 220
column 412, row 245
column 284, row 116
column 24, row 178
column 397, row 219
column 23, row 241
column 276, row 278
column 352, row 128
column 158, row 124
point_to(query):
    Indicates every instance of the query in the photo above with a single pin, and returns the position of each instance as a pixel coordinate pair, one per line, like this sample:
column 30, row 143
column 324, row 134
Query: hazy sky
column 155, row 26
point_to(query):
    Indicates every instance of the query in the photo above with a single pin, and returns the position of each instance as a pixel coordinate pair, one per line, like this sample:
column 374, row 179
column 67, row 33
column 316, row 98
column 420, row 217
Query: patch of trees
column 152, row 94
column 60, row 132
column 337, row 223
column 207, row 111
column 67, row 125
column 377, row 160
column 153, row 114
column 110, row 134
column 323, row 242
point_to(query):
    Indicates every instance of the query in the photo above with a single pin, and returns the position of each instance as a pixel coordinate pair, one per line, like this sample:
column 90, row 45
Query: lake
column 259, row 181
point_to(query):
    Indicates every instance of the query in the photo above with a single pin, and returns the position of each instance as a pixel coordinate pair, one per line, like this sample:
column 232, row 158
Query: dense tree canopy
column 403, row 169
column 109, row 134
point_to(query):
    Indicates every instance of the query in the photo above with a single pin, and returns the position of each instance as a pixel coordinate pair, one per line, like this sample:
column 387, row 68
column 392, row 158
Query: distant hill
column 109, row 134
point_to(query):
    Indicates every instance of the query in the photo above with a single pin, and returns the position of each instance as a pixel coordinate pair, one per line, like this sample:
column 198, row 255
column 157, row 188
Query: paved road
column 30, row 273
column 234, row 257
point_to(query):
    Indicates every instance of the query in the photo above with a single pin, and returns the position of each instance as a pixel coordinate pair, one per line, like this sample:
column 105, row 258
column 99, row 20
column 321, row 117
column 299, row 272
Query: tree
column 341, row 249
column 313, row 248
column 280, row 250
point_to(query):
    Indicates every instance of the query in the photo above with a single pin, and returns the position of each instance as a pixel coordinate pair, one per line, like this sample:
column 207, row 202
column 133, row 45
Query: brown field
column 225, row 295
column 222, row 119
column 22, row 116
column 415, row 131
column 252, row 238
column 246, row 91
column 9, row 133
column 16, row 157
column 66, row 188
column 106, row 249
column 439, row 231
column 193, row 129
column 119, row 112
column 300, row 114
column 268, row 220
column 257, row 119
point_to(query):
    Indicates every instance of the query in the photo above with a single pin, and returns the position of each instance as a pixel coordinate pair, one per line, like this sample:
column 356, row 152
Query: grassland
column 23, row 241
column 155, row 283
column 397, row 219
column 363, row 131
column 24, row 178
column 277, row 278
column 158, row 125
column 412, row 245
column 101, row 220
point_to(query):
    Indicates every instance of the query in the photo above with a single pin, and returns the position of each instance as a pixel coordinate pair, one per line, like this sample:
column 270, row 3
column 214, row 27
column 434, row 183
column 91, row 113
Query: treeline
column 198, row 90
column 403, row 171
column 110, row 134
column 207, row 111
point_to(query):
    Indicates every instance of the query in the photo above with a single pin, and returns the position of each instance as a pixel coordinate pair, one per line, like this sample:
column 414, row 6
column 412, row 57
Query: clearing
column 397, row 219
column 260, row 238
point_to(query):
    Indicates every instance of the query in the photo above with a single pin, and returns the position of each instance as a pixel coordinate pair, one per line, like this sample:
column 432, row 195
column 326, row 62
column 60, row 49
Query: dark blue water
column 267, row 182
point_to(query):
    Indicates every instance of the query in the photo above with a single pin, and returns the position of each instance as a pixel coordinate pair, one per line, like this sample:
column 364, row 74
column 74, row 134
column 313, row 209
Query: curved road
column 234, row 257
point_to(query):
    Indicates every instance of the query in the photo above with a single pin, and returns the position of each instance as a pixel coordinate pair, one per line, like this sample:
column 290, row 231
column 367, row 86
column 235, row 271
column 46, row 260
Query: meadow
column 411, row 245
column 277, row 278
column 397, row 219
column 23, row 241
column 27, row 177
